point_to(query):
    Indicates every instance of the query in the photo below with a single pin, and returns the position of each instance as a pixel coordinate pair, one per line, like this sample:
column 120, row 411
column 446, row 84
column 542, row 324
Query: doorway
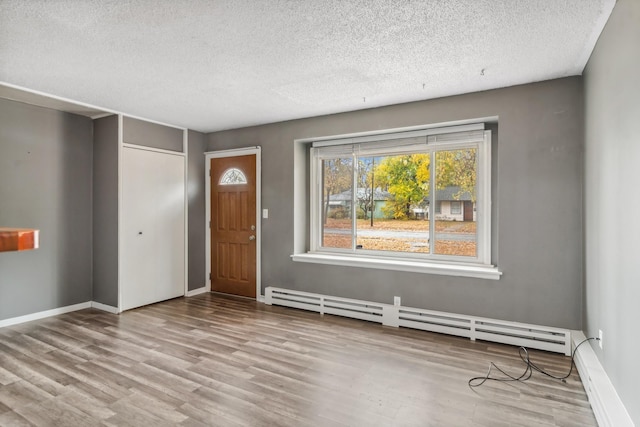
column 467, row 211
column 233, row 216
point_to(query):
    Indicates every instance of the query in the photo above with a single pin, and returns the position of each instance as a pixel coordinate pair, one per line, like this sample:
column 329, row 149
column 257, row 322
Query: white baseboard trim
column 108, row 308
column 605, row 402
column 43, row 314
column 197, row 291
column 260, row 298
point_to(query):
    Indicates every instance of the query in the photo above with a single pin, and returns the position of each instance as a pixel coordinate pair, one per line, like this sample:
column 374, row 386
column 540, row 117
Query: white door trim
column 185, row 150
column 247, row 151
column 120, row 213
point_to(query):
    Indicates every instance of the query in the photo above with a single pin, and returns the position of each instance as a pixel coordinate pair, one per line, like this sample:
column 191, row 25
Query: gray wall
column 196, row 194
column 59, row 173
column 612, row 205
column 45, row 183
column 105, row 211
column 149, row 134
column 105, row 202
column 537, row 203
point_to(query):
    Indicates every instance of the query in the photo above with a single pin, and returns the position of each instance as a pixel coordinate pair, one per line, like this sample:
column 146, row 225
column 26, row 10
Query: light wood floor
column 212, row 360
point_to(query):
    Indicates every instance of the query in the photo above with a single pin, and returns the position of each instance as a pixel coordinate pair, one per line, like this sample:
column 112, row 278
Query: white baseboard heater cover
column 501, row 331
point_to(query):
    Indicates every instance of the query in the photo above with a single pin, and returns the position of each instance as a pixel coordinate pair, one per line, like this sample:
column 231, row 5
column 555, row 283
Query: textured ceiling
column 221, row 64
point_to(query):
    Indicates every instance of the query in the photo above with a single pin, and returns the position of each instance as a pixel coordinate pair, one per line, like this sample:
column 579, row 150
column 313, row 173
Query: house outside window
column 406, row 195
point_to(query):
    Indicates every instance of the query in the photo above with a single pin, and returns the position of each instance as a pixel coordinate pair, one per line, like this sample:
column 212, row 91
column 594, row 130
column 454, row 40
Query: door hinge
column 209, row 224
column 209, row 276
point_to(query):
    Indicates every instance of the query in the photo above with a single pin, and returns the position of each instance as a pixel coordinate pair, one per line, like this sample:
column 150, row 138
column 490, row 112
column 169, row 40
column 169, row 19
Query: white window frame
column 479, row 266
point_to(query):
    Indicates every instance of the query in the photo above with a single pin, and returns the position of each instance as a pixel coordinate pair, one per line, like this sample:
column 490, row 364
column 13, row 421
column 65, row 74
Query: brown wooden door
column 468, row 211
column 233, row 225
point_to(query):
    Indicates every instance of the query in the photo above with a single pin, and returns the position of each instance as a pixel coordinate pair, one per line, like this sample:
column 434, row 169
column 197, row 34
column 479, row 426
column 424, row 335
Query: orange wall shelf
column 18, row 239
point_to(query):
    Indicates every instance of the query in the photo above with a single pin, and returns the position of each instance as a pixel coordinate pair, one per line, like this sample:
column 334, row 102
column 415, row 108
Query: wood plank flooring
column 213, row 360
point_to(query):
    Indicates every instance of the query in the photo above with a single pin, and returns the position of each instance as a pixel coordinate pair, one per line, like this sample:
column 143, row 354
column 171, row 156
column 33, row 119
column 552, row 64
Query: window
column 415, row 195
column 233, row 176
column 456, row 209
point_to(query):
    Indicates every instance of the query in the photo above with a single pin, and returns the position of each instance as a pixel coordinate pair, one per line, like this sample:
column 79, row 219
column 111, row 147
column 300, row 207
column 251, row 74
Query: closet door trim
column 184, row 154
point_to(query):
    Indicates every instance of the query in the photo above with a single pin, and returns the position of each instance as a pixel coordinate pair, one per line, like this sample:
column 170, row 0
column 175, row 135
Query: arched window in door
column 233, row 176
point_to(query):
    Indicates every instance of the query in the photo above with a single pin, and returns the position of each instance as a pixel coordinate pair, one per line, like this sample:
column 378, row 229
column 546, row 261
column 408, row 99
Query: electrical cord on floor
column 528, row 372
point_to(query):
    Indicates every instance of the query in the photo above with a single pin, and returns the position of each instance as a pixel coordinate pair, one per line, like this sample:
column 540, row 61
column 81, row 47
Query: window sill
column 477, row 271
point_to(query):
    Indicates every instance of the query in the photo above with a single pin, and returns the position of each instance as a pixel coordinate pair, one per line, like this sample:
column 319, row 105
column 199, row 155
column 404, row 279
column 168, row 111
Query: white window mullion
column 432, row 209
column 316, row 200
column 483, row 208
column 354, row 197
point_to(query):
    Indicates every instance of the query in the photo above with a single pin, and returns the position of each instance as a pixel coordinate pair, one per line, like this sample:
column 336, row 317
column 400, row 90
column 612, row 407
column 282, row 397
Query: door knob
column 253, row 227
column 252, row 237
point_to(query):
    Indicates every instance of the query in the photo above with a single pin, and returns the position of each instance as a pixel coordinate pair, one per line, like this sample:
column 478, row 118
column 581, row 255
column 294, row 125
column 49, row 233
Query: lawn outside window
column 417, row 200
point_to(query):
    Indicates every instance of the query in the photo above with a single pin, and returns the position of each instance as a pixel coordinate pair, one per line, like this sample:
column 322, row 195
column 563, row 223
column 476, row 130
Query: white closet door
column 152, row 222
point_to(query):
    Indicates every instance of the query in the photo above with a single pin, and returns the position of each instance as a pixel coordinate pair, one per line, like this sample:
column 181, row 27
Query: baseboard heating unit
column 514, row 333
